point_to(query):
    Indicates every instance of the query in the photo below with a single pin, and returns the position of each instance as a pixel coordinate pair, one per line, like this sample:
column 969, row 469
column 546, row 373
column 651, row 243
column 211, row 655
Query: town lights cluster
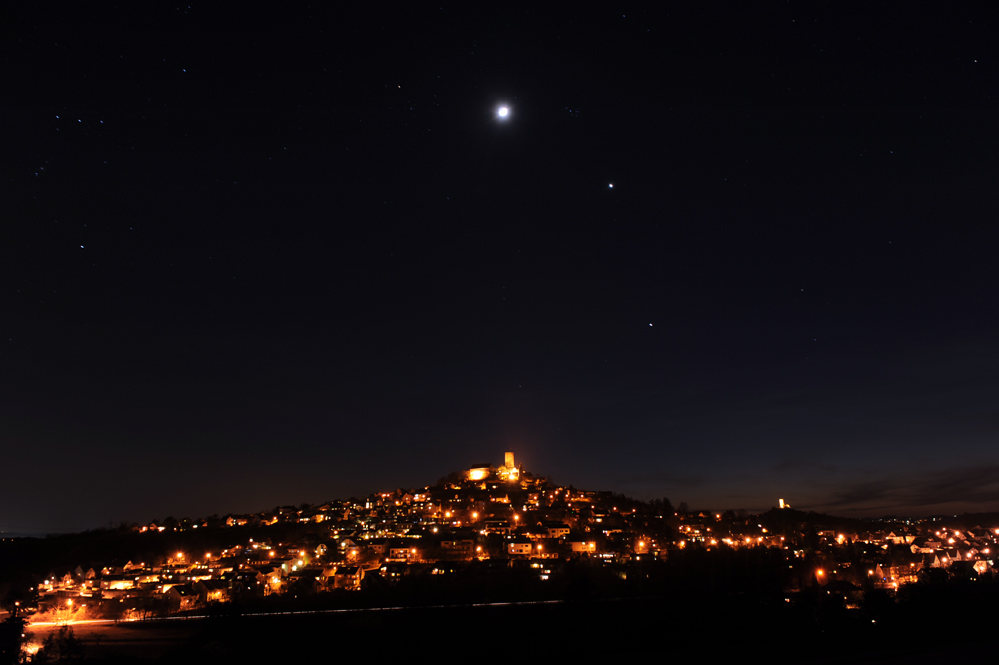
column 487, row 513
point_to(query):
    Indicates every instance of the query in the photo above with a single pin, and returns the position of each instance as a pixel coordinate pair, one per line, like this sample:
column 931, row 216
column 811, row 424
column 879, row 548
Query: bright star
column 503, row 112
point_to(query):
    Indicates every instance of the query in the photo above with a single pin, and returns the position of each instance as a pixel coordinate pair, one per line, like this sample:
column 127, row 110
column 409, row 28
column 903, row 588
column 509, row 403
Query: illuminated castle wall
column 507, row 472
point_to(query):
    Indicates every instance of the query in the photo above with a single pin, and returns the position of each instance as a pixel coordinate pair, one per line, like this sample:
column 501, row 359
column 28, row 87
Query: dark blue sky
column 290, row 254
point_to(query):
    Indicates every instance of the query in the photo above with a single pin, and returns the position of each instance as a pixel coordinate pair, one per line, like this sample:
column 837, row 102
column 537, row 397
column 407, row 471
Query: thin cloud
column 970, row 486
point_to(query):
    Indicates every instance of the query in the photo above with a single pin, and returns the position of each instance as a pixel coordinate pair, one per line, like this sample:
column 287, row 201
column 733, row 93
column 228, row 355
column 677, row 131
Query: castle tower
column 508, row 462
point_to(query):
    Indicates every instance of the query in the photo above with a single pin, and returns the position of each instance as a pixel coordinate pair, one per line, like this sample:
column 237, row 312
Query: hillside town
column 494, row 518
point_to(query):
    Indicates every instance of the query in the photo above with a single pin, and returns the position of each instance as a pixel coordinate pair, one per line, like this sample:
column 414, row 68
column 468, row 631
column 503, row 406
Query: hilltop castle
column 507, row 473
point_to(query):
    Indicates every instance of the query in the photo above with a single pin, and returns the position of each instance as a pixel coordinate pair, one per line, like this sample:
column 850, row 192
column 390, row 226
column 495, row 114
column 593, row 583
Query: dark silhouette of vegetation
column 11, row 631
column 61, row 646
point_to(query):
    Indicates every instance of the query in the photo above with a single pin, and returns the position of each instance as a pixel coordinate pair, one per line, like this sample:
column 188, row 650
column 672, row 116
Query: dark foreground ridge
column 697, row 626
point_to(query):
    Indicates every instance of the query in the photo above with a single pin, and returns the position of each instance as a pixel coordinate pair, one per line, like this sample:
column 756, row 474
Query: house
column 459, row 548
column 399, row 551
column 379, row 546
column 520, row 546
column 272, row 578
column 182, row 596
column 307, row 580
column 348, row 577
column 393, row 571
column 60, row 579
column 899, row 538
column 212, row 591
column 963, row 570
column 500, row 526
column 557, row 529
column 116, row 582
column 851, row 593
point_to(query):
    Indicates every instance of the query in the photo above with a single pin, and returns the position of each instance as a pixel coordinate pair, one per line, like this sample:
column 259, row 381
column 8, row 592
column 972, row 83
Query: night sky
column 259, row 255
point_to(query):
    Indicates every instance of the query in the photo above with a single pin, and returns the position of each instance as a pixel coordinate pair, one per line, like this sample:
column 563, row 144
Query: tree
column 19, row 594
column 64, row 646
column 663, row 506
column 70, row 646
column 11, row 632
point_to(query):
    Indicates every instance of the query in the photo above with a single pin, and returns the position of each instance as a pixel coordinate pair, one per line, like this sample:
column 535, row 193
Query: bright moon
column 503, row 112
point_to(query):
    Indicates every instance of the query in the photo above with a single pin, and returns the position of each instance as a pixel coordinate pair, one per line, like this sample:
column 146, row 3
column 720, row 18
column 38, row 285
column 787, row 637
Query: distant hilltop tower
column 509, row 470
